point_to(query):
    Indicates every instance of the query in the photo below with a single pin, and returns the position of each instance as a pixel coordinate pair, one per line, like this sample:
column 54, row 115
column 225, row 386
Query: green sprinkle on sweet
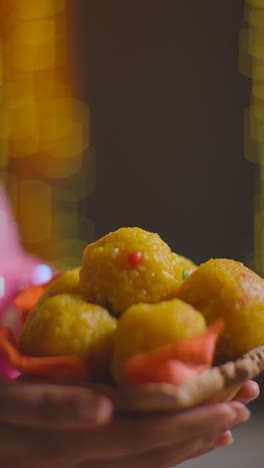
column 185, row 273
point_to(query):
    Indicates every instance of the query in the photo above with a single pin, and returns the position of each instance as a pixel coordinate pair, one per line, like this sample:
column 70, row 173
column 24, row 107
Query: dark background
column 166, row 100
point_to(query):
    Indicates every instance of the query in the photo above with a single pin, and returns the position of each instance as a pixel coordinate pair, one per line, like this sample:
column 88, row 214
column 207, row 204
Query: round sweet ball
column 68, row 282
column 67, row 325
column 146, row 327
column 129, row 266
column 226, row 288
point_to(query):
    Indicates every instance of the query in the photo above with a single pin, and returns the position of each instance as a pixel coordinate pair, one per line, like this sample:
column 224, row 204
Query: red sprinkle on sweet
column 245, row 298
column 135, row 258
column 246, row 276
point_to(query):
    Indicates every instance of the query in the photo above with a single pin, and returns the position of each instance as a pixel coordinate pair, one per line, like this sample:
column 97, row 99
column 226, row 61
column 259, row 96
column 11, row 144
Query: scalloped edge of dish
column 217, row 384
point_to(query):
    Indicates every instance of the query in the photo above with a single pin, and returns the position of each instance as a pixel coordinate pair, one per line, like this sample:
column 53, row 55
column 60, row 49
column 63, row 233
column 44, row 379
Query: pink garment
column 16, row 270
column 16, row 265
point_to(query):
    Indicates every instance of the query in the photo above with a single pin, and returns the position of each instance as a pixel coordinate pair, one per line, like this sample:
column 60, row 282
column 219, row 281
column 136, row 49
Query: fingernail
column 224, row 439
column 104, row 411
column 96, row 410
column 254, row 390
column 241, row 413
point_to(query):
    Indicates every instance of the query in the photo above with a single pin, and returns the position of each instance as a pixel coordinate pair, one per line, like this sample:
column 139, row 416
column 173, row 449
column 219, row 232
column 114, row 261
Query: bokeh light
column 41, row 274
column 2, row 286
column 252, row 65
column 44, row 130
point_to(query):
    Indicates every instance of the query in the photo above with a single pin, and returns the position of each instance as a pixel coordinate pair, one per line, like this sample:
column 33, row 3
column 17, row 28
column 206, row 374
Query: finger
column 224, row 439
column 54, row 407
column 132, row 436
column 56, row 449
column 162, row 458
column 250, row 391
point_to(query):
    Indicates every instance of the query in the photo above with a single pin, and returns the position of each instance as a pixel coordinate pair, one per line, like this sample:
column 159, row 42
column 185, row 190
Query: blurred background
column 167, row 104
column 127, row 114
column 136, row 114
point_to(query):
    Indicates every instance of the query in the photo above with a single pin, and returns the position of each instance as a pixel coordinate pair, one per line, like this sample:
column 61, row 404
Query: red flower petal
column 175, row 363
column 57, row 366
column 27, row 299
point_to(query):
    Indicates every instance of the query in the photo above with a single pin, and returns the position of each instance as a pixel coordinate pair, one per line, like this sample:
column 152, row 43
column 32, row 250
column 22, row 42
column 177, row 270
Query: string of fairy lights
column 45, row 159
column 252, row 65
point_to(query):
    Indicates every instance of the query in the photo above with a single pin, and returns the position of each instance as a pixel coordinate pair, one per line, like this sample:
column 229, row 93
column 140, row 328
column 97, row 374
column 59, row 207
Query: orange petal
column 27, row 299
column 57, row 366
column 175, row 363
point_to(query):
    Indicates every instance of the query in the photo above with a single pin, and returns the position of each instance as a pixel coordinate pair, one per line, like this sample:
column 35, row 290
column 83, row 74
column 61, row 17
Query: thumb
column 54, row 406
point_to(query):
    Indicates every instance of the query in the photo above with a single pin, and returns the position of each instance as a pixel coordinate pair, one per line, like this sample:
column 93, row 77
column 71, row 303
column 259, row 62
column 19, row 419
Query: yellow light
column 32, row 9
column 44, row 128
column 34, row 210
column 252, row 46
column 256, row 3
column 256, row 42
column 50, row 166
column 73, row 252
column 22, row 119
column 256, row 17
column 31, row 46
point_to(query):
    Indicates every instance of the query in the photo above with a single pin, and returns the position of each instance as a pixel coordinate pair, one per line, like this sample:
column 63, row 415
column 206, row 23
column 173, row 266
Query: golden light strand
column 252, row 65
column 45, row 130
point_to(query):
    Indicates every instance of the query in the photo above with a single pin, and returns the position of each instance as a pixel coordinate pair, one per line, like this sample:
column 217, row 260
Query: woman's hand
column 34, row 419
column 48, row 425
